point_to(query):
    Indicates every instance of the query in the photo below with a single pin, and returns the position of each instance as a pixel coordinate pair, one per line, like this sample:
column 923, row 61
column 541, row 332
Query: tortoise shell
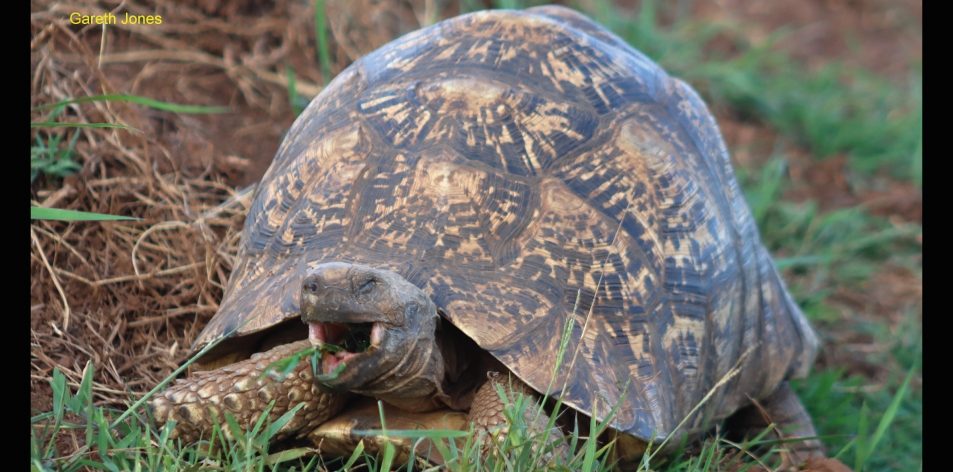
column 530, row 171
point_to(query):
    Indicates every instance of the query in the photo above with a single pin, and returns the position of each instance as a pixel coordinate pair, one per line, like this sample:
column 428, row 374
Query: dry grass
column 132, row 296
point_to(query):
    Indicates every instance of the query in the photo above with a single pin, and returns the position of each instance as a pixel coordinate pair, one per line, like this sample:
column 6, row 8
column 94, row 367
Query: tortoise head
column 385, row 326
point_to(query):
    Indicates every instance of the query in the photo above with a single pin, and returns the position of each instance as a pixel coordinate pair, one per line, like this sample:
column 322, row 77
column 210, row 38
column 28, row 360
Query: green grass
column 58, row 107
column 127, row 440
column 835, row 248
column 39, row 213
column 297, row 101
column 133, row 443
column 870, row 424
column 321, row 40
column 51, row 156
column 878, row 428
column 56, row 124
column 836, row 110
column 138, row 100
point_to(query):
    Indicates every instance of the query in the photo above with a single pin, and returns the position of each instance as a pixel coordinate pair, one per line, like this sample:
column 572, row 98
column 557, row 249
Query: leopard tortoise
column 455, row 202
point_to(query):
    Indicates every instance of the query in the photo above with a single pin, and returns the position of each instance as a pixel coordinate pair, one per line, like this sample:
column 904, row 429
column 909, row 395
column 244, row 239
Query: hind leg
column 790, row 421
column 784, row 410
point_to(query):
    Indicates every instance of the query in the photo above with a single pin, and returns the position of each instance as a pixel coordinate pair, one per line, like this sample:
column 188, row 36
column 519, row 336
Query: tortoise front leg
column 242, row 390
column 487, row 414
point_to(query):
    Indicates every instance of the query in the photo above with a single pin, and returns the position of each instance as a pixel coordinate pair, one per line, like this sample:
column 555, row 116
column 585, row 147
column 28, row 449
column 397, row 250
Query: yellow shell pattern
column 528, row 170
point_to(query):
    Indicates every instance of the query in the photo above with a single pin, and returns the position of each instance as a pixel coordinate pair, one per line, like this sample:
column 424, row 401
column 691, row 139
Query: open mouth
column 353, row 339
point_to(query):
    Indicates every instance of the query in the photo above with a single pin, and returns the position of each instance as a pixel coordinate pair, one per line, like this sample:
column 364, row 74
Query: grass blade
column 145, row 101
column 388, row 459
column 321, row 36
column 56, row 124
column 590, row 457
column 296, row 101
column 357, row 454
column 287, row 455
column 39, row 213
column 889, row 415
column 276, row 426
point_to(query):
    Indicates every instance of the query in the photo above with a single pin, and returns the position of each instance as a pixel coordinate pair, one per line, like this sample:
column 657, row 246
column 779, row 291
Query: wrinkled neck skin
column 413, row 370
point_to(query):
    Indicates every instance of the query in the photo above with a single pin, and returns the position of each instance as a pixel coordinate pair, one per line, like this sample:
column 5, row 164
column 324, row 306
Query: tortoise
column 466, row 198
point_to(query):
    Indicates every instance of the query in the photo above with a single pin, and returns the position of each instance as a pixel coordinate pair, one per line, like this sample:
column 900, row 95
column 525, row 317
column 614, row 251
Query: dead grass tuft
column 132, row 297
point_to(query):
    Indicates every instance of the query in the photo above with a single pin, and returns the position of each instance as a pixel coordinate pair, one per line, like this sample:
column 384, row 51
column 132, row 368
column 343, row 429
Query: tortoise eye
column 367, row 286
column 311, row 286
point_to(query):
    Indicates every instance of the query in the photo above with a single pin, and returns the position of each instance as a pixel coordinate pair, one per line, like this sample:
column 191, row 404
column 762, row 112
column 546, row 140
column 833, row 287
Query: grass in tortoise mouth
column 350, row 340
column 358, row 338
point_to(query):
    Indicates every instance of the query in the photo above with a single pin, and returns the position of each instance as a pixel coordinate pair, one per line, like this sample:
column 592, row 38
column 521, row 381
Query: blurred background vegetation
column 820, row 103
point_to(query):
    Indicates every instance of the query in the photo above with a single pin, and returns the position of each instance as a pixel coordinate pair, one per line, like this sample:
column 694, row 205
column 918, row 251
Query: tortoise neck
column 466, row 366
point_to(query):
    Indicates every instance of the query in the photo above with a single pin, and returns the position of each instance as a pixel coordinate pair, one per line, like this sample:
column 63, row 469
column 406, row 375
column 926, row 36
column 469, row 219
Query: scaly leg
column 241, row 390
column 487, row 412
column 790, row 420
